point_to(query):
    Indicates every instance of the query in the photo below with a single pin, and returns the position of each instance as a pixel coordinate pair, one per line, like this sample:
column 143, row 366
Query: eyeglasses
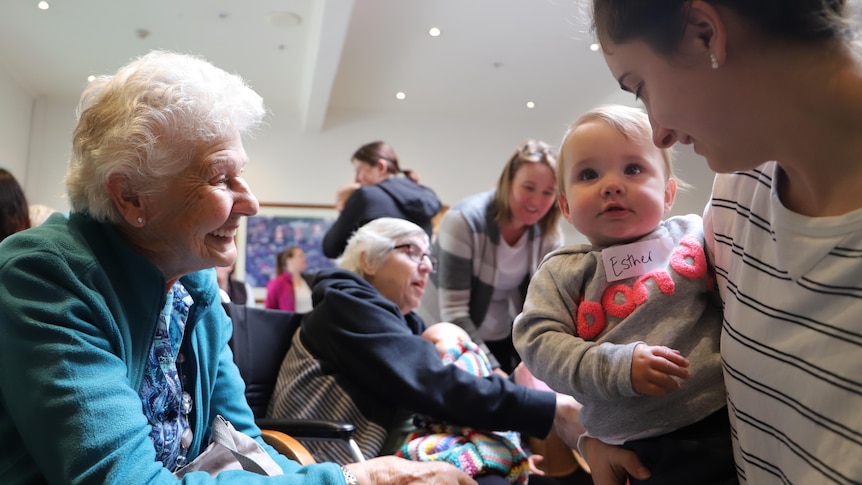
column 416, row 254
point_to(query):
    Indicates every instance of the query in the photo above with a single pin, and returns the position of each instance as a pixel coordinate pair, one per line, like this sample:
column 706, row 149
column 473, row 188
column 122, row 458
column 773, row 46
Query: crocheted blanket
column 473, row 451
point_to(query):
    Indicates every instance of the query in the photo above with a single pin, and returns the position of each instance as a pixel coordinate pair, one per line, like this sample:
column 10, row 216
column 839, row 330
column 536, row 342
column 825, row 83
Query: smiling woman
column 112, row 317
column 192, row 223
column 489, row 245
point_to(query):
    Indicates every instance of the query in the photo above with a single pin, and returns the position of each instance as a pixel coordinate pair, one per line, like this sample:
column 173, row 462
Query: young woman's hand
column 611, row 465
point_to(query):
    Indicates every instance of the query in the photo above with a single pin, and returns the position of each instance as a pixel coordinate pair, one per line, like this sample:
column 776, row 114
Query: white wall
column 456, row 157
column 50, row 146
column 15, row 115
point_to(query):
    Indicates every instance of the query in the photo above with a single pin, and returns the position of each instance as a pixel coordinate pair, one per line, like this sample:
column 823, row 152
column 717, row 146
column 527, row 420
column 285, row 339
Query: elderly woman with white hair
column 115, row 353
column 359, row 355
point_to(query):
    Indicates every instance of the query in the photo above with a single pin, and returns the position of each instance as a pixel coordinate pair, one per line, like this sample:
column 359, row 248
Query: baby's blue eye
column 634, row 169
column 588, row 175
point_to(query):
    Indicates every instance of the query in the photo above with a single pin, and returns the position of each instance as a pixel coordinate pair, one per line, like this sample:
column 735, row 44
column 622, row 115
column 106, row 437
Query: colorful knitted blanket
column 475, row 452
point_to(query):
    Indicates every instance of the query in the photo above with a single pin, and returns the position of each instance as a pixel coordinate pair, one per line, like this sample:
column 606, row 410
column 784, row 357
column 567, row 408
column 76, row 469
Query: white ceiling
column 492, row 57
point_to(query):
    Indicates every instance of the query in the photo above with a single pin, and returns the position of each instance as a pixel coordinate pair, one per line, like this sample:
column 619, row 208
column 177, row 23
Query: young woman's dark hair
column 661, row 24
column 14, row 212
column 370, row 153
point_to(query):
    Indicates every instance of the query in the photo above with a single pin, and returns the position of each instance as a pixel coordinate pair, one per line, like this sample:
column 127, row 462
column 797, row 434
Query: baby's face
column 445, row 335
column 616, row 188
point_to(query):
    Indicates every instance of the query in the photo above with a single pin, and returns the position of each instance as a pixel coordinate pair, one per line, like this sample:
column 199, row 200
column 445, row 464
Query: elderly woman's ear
column 368, row 269
column 128, row 204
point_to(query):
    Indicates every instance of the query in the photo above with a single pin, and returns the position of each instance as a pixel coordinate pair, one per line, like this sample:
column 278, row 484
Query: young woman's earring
column 140, row 220
column 713, row 61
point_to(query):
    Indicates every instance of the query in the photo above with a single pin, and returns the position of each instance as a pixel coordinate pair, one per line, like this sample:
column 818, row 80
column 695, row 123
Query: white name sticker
column 637, row 258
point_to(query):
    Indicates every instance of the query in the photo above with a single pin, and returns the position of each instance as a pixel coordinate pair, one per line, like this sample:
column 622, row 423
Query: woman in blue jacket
column 116, row 357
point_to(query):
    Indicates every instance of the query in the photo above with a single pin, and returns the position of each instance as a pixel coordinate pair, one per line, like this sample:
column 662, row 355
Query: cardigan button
column 186, row 440
column 186, row 407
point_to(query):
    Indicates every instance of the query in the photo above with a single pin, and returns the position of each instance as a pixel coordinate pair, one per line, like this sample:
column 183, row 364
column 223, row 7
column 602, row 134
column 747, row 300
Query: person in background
column 115, row 343
column 360, row 356
column 232, row 289
column 489, row 245
column 39, row 213
column 343, row 193
column 385, row 191
column 770, row 93
column 289, row 291
column 14, row 213
column 635, row 343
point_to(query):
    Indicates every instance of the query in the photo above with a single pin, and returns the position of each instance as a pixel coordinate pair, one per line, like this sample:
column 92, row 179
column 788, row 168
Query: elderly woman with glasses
column 360, row 356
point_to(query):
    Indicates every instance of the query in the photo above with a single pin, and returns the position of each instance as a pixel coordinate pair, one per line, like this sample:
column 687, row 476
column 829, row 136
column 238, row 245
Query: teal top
column 78, row 314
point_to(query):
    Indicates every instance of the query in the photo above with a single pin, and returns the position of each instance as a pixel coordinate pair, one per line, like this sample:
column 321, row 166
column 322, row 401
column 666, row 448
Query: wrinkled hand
column 654, row 369
column 567, row 423
column 611, row 465
column 391, row 470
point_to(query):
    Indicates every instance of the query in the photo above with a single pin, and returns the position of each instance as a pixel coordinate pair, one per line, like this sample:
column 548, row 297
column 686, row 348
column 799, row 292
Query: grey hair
column 147, row 122
column 374, row 240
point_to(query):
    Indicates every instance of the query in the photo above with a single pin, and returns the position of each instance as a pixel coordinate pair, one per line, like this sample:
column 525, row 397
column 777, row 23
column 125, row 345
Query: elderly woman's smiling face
column 191, row 225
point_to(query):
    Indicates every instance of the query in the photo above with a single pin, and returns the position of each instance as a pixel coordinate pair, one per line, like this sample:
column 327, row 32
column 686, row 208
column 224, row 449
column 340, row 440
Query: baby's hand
column 654, row 369
column 533, row 464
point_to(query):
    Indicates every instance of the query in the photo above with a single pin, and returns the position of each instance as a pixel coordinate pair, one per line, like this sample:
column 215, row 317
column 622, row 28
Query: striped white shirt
column 792, row 334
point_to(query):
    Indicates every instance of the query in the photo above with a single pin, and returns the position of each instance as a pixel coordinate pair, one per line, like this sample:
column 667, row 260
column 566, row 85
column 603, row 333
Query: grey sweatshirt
column 578, row 330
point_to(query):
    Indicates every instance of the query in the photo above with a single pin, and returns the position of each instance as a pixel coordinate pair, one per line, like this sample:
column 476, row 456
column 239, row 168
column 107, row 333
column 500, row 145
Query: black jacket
column 380, row 358
column 394, row 197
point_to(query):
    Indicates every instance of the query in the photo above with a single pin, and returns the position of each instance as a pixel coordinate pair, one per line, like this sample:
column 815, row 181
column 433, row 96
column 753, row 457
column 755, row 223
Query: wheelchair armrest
column 309, row 428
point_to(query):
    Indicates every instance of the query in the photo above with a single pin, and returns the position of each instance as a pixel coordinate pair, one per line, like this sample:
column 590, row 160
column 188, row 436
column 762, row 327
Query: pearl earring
column 713, row 61
column 140, row 220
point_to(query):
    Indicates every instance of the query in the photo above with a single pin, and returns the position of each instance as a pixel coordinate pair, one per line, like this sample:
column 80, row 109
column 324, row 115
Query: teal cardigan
column 78, row 312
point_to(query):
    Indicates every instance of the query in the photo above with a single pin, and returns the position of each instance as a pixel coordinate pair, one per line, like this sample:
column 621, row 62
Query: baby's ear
column 563, row 202
column 669, row 194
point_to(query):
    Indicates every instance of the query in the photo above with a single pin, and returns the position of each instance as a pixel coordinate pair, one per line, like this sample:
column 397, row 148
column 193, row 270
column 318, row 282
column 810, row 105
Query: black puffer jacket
column 394, row 197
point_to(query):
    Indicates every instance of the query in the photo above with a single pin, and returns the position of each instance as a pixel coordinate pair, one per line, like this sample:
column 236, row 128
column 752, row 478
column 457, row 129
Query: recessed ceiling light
column 434, row 32
column 91, row 78
column 284, row 19
column 43, row 5
column 400, row 95
column 531, row 104
column 594, row 46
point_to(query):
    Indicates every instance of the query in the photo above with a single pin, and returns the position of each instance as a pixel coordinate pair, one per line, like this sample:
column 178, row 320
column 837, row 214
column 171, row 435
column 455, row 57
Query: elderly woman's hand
column 385, row 470
column 567, row 424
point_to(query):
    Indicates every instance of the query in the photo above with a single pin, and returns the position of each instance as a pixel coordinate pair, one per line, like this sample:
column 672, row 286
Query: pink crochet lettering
column 688, row 260
column 591, row 319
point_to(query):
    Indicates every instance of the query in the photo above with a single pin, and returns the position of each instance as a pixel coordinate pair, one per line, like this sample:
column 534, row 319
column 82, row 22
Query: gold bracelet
column 349, row 477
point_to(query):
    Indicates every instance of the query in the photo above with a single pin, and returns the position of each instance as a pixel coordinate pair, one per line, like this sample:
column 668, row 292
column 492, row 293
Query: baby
column 629, row 325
